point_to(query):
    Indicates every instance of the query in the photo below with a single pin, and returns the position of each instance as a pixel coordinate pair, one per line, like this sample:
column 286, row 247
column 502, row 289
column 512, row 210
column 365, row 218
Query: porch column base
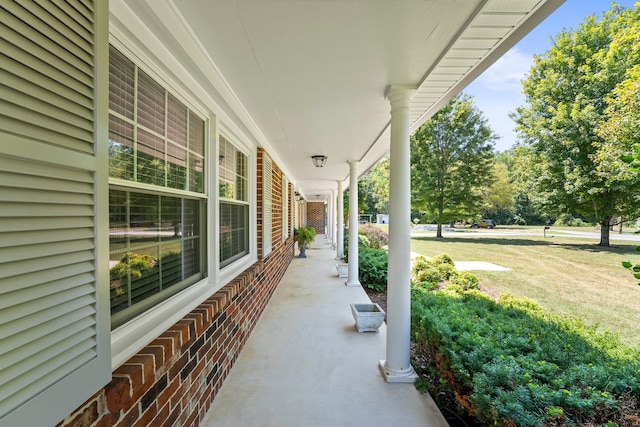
column 353, row 283
column 397, row 376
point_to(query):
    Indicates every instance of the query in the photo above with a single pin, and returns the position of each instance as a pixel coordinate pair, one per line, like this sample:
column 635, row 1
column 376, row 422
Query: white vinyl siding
column 54, row 351
column 267, row 205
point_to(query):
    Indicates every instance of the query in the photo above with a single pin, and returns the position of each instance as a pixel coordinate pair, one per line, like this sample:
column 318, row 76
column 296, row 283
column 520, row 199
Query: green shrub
column 446, row 271
column 434, row 270
column 512, row 364
column 134, row 264
column 569, row 221
column 304, row 235
column 373, row 268
column 430, row 274
column 421, row 263
column 363, row 241
column 377, row 237
column 443, row 259
column 429, row 286
column 463, row 281
column 425, row 271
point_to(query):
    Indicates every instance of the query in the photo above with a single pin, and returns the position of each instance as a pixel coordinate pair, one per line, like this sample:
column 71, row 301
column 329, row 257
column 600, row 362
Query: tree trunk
column 604, row 232
column 439, row 231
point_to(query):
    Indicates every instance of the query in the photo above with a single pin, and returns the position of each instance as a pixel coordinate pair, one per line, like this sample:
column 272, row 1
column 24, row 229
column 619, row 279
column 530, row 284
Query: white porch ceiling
column 309, row 76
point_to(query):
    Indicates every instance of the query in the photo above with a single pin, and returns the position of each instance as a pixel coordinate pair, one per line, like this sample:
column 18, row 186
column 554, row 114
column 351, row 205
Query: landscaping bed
column 506, row 361
column 509, row 363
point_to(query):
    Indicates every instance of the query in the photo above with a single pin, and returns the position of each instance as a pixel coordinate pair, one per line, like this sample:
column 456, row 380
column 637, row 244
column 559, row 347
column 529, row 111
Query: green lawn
column 565, row 275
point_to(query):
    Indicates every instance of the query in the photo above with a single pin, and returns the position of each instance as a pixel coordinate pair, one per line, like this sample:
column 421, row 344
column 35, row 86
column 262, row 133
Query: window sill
column 130, row 338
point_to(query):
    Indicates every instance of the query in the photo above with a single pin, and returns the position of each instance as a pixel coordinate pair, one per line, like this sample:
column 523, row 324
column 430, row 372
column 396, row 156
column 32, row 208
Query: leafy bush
column 373, row 268
column 635, row 269
column 369, row 236
column 442, row 259
column 304, row 235
column 376, row 236
column 433, row 271
column 463, row 281
column 421, row 263
column 132, row 264
column 446, row 271
column 429, row 275
column 569, row 221
column 512, row 364
column 363, row 241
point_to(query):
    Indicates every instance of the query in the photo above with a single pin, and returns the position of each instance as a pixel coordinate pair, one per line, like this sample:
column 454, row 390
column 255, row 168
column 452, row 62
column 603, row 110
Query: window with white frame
column 234, row 202
column 156, row 191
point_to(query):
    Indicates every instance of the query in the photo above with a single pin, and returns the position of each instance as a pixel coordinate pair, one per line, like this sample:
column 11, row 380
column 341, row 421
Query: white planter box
column 368, row 317
column 343, row 270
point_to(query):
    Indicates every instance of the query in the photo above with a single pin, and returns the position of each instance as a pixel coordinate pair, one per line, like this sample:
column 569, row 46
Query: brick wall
column 315, row 216
column 174, row 379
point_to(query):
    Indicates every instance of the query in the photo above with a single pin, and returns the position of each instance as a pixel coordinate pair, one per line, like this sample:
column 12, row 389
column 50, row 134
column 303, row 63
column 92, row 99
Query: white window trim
column 129, row 338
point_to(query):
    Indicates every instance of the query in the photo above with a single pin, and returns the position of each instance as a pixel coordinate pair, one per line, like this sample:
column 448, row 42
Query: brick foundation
column 174, row 379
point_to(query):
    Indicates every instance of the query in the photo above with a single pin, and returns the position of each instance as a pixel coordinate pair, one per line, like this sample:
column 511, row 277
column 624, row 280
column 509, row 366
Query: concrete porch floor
column 306, row 364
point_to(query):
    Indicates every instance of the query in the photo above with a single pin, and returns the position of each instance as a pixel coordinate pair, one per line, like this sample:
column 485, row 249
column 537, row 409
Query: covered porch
column 306, row 363
column 183, row 132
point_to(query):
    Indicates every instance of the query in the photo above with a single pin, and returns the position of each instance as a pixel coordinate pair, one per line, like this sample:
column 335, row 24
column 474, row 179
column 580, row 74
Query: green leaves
column 583, row 115
column 451, row 159
column 373, row 268
column 635, row 269
column 511, row 362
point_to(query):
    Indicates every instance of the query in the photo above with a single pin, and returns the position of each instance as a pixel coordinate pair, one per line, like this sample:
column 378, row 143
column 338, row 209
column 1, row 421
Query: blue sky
column 497, row 91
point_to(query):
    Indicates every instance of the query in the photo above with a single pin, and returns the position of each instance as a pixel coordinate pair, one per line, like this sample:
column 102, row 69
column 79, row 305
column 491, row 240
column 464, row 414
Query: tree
column 568, row 92
column 499, row 195
column 528, row 205
column 375, row 188
column 451, row 160
column 634, row 161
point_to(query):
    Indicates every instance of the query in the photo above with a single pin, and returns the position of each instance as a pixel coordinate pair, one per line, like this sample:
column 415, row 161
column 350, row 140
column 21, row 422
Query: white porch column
column 330, row 225
column 397, row 366
column 353, row 224
column 334, row 215
column 303, row 219
column 340, row 227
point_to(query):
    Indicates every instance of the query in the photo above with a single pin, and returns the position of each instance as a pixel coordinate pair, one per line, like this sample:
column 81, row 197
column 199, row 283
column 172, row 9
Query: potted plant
column 304, row 236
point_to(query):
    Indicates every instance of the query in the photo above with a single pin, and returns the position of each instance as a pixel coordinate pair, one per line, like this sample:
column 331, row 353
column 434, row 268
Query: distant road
column 613, row 235
column 533, row 232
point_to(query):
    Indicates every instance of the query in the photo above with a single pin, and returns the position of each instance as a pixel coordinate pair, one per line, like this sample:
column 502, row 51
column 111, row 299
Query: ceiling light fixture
column 319, row 161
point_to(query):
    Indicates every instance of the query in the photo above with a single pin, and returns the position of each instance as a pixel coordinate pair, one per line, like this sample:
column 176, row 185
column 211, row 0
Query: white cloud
column 507, row 72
